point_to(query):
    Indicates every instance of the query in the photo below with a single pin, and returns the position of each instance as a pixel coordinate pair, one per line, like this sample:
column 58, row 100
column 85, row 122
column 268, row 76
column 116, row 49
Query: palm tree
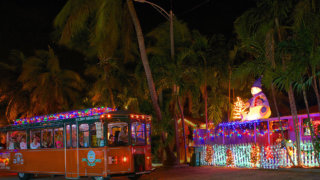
column 144, row 58
column 301, row 70
column 306, row 17
column 104, row 26
column 15, row 99
column 259, row 29
column 51, row 88
column 171, row 71
column 106, row 79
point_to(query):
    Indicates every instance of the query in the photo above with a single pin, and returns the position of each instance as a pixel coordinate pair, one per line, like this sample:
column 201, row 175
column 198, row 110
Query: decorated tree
column 268, row 152
column 230, row 161
column 209, row 154
column 255, row 155
column 238, row 108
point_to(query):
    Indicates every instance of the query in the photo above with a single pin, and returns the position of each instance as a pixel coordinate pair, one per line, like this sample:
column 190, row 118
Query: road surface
column 203, row 173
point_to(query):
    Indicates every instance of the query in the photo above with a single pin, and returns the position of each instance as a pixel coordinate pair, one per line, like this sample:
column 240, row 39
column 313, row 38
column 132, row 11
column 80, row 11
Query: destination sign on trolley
column 87, row 118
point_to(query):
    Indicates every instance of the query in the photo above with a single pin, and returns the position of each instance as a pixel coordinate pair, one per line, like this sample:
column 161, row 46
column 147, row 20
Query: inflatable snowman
column 258, row 105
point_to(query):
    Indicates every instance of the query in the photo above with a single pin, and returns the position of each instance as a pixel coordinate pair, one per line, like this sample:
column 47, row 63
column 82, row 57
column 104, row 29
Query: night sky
column 26, row 25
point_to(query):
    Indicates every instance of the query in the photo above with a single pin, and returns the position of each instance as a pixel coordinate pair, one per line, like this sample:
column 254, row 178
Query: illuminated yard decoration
column 238, row 108
column 258, row 105
column 64, row 115
column 230, row 161
column 209, row 154
column 255, row 156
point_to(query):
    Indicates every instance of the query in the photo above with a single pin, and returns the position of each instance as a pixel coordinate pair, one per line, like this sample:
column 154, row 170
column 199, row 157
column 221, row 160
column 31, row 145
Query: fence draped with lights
column 251, row 155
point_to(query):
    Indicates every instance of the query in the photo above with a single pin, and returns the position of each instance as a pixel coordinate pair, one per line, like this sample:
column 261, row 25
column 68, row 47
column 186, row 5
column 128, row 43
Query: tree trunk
column 281, row 127
column 296, row 125
column 8, row 108
column 190, row 102
column 112, row 98
column 229, row 96
column 144, row 59
column 183, row 130
column 174, row 90
column 176, row 127
column 161, row 98
column 170, row 157
column 310, row 124
column 316, row 91
column 291, row 100
column 206, row 104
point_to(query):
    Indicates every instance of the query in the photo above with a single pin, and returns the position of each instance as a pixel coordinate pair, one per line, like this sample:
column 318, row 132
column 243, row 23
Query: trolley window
column 138, row 134
column 2, row 140
column 149, row 134
column 58, row 137
column 118, row 134
column 96, row 134
column 16, row 140
column 68, row 139
column 74, row 135
column 84, row 135
column 47, row 138
column 35, row 139
column 71, row 136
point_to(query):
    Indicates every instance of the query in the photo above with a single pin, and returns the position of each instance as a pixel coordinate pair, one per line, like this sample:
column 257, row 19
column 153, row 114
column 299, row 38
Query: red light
column 124, row 159
column 102, row 116
column 137, row 116
column 142, row 117
column 131, row 116
column 108, row 116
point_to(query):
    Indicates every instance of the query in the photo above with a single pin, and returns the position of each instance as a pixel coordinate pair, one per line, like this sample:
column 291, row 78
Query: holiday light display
column 238, row 108
column 254, row 156
column 64, row 115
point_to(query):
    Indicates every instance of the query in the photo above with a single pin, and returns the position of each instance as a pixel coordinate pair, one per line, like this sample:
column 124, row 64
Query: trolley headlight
column 124, row 159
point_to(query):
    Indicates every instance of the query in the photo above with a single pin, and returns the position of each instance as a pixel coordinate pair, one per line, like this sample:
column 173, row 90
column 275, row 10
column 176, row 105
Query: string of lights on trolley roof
column 103, row 112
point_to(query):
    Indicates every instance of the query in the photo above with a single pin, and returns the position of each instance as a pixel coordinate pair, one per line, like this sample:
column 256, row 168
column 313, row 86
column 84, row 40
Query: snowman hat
column 257, row 83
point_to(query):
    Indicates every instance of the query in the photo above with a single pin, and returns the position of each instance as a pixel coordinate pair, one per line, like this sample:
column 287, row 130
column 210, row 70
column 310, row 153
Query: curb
column 177, row 166
column 300, row 170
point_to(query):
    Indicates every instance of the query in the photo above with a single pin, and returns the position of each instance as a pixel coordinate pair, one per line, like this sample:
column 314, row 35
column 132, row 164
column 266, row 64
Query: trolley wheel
column 135, row 176
column 101, row 178
column 24, row 176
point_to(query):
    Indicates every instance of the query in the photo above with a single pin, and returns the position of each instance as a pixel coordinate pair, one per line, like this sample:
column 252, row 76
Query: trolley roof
column 92, row 114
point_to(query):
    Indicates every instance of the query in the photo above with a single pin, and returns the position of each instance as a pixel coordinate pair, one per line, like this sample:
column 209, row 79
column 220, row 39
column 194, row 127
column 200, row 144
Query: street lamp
column 168, row 16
